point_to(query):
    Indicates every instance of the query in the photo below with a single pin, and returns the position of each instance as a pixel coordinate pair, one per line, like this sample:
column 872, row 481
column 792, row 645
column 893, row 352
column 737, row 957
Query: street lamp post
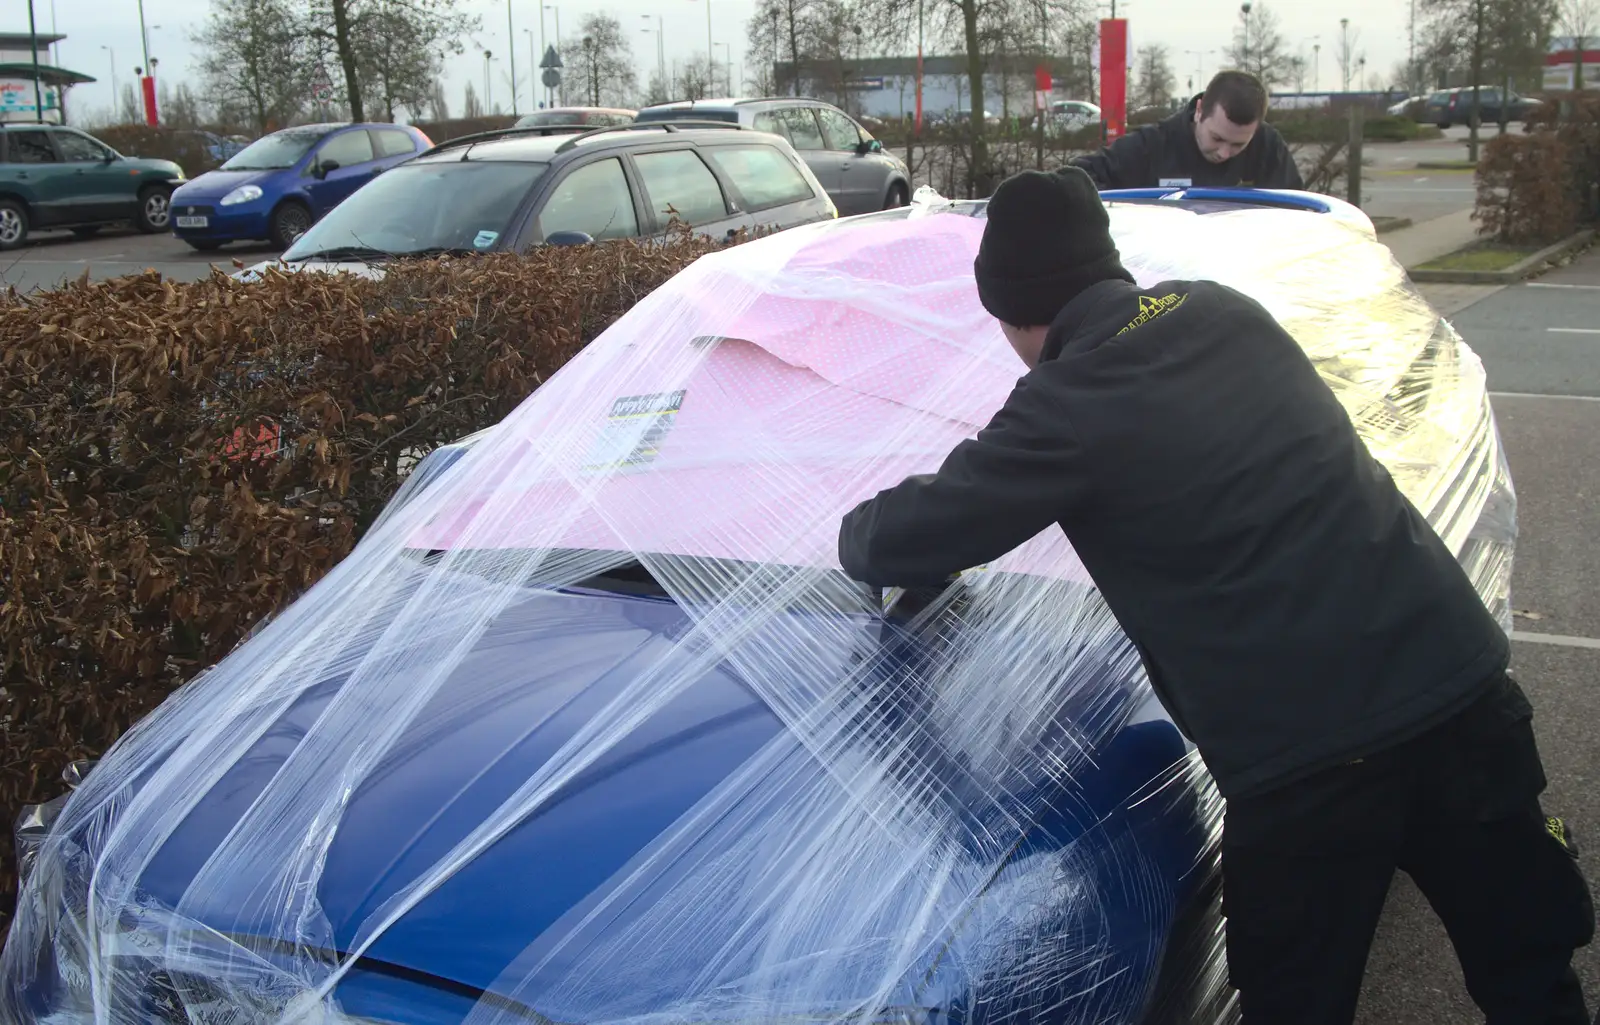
column 1199, row 68
column 711, row 59
column 38, row 92
column 113, row 54
column 487, row 107
column 511, row 52
column 561, row 94
column 727, row 49
column 1244, row 20
column 542, row 49
column 1344, row 52
column 533, row 63
column 1316, row 67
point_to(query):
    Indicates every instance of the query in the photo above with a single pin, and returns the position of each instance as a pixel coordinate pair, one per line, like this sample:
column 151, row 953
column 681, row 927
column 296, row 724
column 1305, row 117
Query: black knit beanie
column 1048, row 239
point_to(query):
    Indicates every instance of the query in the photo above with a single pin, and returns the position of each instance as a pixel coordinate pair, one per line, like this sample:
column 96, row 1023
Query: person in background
column 1217, row 139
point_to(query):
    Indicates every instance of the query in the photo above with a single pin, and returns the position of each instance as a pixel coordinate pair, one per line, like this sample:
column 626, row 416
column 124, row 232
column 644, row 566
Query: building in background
column 1561, row 65
column 886, row 87
column 17, row 91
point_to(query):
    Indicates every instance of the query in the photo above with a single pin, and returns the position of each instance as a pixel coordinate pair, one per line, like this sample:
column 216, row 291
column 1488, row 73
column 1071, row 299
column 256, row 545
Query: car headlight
column 242, row 194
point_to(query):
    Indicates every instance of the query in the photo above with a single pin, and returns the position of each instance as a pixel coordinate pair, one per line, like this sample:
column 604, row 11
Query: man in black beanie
column 1298, row 618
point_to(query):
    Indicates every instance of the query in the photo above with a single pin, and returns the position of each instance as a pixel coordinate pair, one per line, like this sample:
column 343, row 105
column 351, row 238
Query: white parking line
column 1574, row 330
column 1560, row 640
column 1536, row 395
column 1556, row 284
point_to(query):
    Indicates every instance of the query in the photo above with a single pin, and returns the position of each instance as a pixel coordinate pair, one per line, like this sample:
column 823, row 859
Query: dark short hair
column 1241, row 94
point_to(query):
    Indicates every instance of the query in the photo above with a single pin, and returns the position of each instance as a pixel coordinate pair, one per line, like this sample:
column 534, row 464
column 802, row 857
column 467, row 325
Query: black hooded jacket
column 1293, row 609
column 1167, row 154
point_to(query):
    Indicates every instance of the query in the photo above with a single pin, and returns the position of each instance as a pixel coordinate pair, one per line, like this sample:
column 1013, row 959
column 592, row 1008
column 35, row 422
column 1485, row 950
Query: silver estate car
column 857, row 172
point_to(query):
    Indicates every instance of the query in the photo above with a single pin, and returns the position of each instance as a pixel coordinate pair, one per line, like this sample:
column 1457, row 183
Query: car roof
column 534, row 144
column 731, row 103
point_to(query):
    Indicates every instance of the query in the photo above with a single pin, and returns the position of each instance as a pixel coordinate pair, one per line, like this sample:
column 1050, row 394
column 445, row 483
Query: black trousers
column 1306, row 868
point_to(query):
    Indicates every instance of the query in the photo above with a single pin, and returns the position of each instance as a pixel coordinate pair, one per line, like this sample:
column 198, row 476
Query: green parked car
column 56, row 177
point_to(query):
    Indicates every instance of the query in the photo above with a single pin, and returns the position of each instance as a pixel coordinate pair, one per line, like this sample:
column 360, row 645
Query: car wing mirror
column 325, row 166
column 569, row 238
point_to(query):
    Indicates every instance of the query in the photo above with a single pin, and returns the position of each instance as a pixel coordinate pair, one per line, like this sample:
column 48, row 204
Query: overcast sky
column 1183, row 25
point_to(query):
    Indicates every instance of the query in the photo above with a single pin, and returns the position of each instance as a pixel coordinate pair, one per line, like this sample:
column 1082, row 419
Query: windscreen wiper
column 346, row 253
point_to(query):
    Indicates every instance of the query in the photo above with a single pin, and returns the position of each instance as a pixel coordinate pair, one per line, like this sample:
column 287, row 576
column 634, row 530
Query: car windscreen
column 426, row 207
column 276, row 151
column 688, row 114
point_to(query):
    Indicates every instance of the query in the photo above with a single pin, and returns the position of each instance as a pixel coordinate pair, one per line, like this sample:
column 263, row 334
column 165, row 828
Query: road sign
column 321, row 85
column 551, row 59
column 551, row 78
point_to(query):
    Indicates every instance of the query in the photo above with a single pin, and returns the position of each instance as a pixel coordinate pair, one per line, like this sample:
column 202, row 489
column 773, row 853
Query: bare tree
column 181, row 107
column 695, row 80
column 388, row 39
column 471, row 106
column 788, row 28
column 967, row 27
column 130, row 107
column 1157, row 82
column 1298, row 71
column 438, row 102
column 1580, row 22
column 1519, row 34
column 659, row 90
column 600, row 61
column 254, row 60
column 1258, row 45
column 1468, row 20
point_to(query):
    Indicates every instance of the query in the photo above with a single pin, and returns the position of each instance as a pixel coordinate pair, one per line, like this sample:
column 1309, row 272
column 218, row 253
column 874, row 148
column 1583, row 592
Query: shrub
column 187, row 149
column 1538, row 187
column 144, row 526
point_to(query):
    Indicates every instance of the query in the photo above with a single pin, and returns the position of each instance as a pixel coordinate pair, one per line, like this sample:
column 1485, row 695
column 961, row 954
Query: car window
column 768, row 122
column 763, row 175
column 595, row 200
column 275, row 151
column 680, row 180
column 349, row 149
column 838, row 130
column 800, row 126
column 30, row 147
column 426, row 206
column 393, row 143
column 77, row 148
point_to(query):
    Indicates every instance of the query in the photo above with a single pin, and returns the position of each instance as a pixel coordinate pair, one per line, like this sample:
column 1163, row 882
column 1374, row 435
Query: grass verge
column 1481, row 256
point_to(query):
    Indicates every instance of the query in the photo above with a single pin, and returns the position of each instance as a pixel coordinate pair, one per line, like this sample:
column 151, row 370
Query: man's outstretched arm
column 1125, row 164
column 1021, row 473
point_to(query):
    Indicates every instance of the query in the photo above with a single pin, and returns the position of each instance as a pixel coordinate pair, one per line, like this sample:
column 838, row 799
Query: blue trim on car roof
column 1257, row 197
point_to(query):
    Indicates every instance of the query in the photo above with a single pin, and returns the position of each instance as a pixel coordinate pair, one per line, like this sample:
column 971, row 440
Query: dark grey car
column 518, row 188
column 857, row 171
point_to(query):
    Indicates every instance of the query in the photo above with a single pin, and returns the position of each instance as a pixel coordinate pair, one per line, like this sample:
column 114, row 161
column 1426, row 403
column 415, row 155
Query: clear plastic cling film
column 590, row 728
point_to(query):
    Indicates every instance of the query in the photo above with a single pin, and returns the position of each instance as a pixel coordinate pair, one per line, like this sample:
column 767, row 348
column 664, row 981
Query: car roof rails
column 502, row 133
column 676, row 125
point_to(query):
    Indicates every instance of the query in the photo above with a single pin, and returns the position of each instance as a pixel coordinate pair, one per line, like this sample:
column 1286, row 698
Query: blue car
column 591, row 729
column 278, row 186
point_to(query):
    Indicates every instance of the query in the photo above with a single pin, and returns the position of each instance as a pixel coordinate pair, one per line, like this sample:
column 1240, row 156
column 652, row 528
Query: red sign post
column 1114, row 76
column 150, row 114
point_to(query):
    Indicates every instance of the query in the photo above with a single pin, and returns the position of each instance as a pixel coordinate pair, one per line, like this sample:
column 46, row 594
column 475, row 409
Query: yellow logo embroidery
column 1150, row 308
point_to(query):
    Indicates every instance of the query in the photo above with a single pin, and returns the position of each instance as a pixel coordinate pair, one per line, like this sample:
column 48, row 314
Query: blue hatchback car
column 278, row 186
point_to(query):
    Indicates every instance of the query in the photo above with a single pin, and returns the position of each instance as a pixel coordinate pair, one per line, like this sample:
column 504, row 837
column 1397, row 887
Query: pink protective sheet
column 776, row 418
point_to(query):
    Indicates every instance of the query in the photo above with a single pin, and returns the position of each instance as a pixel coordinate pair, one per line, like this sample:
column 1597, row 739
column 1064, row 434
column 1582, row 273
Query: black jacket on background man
column 1294, row 611
column 1167, row 154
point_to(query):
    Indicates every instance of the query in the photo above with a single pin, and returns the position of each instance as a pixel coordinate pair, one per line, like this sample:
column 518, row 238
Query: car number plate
column 192, row 222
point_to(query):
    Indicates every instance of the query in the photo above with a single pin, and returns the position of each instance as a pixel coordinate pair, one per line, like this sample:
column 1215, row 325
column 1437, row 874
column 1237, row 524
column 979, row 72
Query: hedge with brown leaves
column 1540, row 187
column 144, row 527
